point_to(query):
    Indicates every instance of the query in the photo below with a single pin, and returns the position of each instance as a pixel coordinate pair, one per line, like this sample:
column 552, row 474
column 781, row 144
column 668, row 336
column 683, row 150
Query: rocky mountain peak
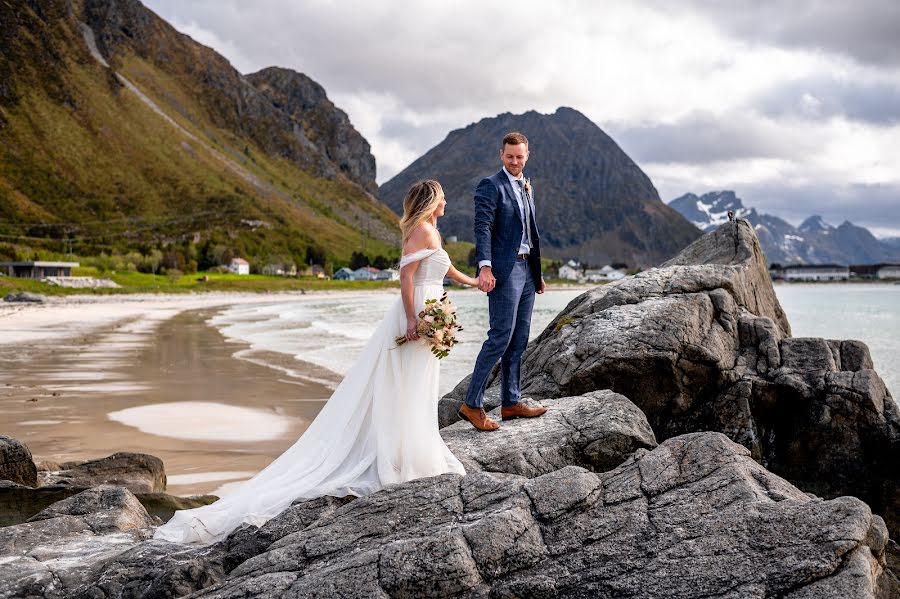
column 814, row 224
column 324, row 125
column 593, row 202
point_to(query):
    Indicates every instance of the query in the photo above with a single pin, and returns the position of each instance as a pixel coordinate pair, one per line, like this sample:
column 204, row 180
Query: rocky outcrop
column 325, row 125
column 138, row 472
column 695, row 517
column 16, row 463
column 142, row 474
column 46, row 557
column 702, row 343
column 597, row 431
column 24, row 297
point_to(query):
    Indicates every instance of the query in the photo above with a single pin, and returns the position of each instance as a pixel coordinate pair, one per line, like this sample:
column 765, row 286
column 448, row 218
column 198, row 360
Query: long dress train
column 379, row 427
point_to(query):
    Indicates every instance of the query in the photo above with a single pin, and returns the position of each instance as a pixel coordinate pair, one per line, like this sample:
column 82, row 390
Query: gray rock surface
column 138, row 472
column 695, row 517
column 47, row 556
column 16, row 463
column 597, row 431
column 24, row 296
column 702, row 343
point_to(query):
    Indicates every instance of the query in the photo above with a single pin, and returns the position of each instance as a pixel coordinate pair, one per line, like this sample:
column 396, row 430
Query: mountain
column 593, row 202
column 813, row 242
column 119, row 132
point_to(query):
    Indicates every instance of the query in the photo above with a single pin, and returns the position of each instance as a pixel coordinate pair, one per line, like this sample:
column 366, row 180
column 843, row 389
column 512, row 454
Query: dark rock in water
column 138, row 472
column 24, row 296
column 703, row 344
column 695, row 517
column 163, row 505
column 597, row 431
column 18, row 503
column 16, row 463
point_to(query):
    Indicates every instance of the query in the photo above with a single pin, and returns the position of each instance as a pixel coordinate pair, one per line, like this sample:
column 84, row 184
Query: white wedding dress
column 379, row 427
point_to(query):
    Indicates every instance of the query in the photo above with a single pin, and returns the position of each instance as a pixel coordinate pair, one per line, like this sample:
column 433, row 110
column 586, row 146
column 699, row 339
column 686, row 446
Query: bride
column 380, row 426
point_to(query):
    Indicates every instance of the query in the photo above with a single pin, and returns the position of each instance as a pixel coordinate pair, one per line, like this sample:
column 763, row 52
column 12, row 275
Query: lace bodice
column 432, row 269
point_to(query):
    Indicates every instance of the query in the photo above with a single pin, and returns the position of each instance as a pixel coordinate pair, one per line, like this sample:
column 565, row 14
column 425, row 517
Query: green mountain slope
column 117, row 132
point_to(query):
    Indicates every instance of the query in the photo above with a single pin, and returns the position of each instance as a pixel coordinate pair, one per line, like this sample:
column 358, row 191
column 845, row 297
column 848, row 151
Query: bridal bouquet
column 437, row 326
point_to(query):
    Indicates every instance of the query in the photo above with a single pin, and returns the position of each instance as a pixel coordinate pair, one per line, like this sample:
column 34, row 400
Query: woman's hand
column 411, row 333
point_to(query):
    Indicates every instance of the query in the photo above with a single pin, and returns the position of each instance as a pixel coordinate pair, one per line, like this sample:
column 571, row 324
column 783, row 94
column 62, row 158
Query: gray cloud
column 865, row 30
column 819, row 97
column 675, row 84
column 698, row 138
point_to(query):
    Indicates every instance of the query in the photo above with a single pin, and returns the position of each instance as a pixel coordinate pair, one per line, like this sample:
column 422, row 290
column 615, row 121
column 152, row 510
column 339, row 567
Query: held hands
column 411, row 333
column 486, row 280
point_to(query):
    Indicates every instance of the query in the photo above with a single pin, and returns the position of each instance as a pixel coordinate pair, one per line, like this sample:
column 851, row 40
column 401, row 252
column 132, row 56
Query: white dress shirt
column 523, row 246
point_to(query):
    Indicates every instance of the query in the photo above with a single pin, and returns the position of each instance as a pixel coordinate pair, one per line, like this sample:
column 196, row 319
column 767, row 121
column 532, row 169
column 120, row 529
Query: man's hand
column 486, row 280
column 543, row 286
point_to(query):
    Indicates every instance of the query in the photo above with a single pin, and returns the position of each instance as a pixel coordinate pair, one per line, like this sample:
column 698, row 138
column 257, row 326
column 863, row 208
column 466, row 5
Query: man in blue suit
column 509, row 269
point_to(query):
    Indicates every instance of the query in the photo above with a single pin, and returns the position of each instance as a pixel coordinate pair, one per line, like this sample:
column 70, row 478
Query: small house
column 816, row 272
column 344, row 274
column 388, row 274
column 365, row 273
column 38, row 269
column 569, row 272
column 239, row 266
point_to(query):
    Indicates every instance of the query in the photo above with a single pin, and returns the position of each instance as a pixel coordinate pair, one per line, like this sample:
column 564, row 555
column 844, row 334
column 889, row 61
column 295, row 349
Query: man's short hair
column 515, row 138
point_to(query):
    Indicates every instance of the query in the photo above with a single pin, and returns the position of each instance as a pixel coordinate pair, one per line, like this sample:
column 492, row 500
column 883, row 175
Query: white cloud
column 700, row 98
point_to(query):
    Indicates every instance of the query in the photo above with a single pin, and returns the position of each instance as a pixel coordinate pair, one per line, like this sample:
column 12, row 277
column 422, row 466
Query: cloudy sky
column 795, row 104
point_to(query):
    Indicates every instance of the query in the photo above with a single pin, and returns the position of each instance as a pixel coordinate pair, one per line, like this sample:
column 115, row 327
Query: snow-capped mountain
column 813, row 242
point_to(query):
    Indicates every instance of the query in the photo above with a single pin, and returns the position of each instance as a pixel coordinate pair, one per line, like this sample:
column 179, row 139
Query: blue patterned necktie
column 526, row 210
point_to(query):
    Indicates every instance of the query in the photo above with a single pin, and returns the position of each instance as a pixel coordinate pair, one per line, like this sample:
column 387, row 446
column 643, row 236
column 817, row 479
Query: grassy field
column 134, row 282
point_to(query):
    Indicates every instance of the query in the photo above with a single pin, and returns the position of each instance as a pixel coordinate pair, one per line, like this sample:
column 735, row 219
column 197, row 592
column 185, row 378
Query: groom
column 509, row 269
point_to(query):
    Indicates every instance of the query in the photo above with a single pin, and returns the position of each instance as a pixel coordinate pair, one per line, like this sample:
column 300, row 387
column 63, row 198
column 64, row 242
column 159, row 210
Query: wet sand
column 174, row 390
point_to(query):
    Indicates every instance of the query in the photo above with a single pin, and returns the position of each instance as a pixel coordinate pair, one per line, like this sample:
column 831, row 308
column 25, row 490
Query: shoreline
column 115, row 392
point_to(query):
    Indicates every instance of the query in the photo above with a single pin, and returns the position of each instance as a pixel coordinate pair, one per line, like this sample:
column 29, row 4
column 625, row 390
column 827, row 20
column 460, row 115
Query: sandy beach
column 85, row 377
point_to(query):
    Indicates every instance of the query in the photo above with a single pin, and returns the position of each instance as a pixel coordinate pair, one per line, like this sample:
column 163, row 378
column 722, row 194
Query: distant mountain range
column 593, row 202
column 813, row 242
column 120, row 132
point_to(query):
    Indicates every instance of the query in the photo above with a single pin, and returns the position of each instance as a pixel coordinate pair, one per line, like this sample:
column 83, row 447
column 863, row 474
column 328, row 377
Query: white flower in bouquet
column 437, row 326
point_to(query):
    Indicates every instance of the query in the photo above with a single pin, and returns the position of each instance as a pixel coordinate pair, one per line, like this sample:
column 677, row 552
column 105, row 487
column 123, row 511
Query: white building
column 239, row 266
column 280, row 270
column 816, row 272
column 607, row 273
column 365, row 273
column 888, row 271
column 388, row 274
column 569, row 273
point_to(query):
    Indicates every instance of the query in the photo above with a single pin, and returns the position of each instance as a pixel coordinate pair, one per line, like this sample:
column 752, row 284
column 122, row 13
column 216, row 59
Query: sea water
column 328, row 333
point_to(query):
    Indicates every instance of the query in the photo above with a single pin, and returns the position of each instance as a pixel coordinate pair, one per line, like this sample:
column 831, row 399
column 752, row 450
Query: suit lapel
column 510, row 193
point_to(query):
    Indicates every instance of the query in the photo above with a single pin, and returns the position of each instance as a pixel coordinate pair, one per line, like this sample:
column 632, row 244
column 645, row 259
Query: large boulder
column 702, row 343
column 50, row 555
column 597, row 431
column 138, row 472
column 695, row 517
column 16, row 463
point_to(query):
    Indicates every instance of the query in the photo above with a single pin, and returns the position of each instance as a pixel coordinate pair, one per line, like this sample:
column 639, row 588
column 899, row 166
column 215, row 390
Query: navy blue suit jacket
column 499, row 226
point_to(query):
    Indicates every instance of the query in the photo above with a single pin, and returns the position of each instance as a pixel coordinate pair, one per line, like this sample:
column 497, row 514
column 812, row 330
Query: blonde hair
column 419, row 205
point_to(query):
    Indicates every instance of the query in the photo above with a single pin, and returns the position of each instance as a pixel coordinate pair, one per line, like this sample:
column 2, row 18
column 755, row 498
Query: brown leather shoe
column 477, row 417
column 520, row 410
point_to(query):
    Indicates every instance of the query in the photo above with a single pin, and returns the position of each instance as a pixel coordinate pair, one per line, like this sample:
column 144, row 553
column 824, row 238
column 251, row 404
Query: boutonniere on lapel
column 528, row 187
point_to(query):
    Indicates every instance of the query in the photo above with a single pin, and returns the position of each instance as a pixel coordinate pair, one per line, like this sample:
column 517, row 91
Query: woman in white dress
column 380, row 426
